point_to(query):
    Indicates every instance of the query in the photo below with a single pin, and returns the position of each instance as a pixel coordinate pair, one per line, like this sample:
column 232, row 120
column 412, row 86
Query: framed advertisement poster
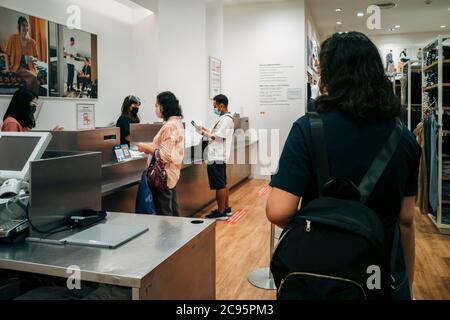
column 85, row 116
column 215, row 77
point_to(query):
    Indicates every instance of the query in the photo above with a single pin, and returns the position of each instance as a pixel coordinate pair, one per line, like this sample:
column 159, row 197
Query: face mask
column 33, row 107
column 135, row 111
column 217, row 112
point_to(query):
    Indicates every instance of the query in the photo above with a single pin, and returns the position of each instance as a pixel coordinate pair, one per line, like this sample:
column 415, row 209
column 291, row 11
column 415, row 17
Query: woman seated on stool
column 170, row 142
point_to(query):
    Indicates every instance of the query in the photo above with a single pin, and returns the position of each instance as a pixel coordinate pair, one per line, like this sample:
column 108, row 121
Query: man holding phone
column 219, row 148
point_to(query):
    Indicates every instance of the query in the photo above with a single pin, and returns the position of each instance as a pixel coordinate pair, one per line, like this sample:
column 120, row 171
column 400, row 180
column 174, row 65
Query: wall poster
column 279, row 85
column 215, row 77
column 45, row 57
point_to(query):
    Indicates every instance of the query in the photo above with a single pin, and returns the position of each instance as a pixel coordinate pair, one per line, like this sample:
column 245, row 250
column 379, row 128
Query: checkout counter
column 78, row 172
column 120, row 180
column 149, row 266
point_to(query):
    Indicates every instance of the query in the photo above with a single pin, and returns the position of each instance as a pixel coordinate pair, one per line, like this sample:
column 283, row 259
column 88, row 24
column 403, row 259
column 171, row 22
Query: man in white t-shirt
column 219, row 150
column 71, row 53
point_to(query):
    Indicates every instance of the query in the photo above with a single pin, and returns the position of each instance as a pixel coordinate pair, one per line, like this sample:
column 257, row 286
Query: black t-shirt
column 124, row 124
column 351, row 150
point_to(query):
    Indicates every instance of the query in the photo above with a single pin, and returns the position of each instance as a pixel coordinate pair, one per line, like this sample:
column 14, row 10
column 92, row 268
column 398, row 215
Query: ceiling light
column 397, row 26
column 443, row 27
column 339, row 23
column 386, row 6
column 360, row 14
column 339, row 10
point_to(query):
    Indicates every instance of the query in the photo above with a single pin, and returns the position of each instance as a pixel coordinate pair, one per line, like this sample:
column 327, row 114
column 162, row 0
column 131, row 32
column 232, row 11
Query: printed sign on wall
column 215, row 77
column 85, row 116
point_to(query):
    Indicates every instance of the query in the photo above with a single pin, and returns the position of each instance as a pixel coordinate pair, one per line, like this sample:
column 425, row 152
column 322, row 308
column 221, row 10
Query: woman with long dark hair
column 19, row 116
column 359, row 110
column 130, row 114
column 170, row 143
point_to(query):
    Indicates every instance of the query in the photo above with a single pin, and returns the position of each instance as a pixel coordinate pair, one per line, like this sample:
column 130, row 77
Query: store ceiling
column 411, row 15
column 229, row 2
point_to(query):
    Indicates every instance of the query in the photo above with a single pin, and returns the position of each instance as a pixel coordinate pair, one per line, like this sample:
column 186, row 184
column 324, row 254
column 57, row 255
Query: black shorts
column 217, row 175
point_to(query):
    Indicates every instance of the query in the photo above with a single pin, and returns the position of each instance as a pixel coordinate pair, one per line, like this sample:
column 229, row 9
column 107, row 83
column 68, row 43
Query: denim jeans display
column 431, row 131
column 446, row 190
column 445, row 215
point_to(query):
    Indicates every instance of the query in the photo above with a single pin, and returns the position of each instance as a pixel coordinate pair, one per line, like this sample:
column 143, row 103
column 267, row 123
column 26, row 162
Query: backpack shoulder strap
column 320, row 150
column 228, row 115
column 380, row 163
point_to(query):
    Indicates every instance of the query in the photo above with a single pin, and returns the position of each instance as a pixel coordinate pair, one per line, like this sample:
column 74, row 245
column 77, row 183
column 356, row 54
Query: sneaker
column 217, row 215
column 229, row 211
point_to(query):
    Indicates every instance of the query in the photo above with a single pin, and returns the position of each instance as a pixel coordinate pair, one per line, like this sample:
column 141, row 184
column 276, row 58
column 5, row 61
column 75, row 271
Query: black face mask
column 135, row 111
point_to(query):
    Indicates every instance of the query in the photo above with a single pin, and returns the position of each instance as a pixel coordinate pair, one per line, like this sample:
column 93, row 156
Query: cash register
column 17, row 150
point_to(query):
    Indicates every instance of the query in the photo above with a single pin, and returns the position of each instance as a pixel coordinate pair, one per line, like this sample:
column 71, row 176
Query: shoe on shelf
column 217, row 215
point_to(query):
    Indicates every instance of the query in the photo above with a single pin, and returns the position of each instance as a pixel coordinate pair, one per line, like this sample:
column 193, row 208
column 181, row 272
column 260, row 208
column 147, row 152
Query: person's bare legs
column 221, row 197
column 227, row 201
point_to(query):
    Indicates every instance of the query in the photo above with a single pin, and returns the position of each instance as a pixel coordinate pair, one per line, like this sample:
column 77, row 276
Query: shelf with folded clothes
column 436, row 86
column 435, row 65
column 446, row 215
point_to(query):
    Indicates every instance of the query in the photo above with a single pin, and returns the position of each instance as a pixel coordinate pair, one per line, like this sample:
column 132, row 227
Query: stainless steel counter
column 154, row 264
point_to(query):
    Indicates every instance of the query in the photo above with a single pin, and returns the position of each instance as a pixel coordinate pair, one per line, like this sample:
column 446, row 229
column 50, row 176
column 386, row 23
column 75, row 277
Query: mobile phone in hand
column 196, row 126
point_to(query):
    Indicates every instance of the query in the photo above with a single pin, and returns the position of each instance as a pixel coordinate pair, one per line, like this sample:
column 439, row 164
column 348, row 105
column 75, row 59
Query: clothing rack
column 411, row 69
column 436, row 99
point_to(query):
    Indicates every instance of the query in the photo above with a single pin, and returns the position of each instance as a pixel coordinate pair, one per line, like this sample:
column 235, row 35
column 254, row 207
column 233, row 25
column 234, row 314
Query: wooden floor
column 243, row 247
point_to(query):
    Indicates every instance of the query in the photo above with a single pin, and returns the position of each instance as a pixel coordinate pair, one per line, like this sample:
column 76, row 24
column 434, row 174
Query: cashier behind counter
column 22, row 113
column 130, row 110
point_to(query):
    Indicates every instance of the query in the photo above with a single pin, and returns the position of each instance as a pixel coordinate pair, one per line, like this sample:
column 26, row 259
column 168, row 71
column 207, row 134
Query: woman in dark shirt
column 358, row 110
column 130, row 111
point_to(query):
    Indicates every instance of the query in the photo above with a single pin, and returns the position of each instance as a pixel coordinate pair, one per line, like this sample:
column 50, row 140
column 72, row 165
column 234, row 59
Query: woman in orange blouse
column 22, row 51
column 170, row 142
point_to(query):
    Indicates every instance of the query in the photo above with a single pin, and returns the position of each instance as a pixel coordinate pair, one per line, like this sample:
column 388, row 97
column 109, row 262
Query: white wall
column 182, row 54
column 144, row 67
column 398, row 42
column 115, row 57
column 264, row 33
column 214, row 48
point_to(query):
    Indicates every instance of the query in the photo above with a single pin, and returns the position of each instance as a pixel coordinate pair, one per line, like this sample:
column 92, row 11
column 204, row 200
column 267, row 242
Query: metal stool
column 262, row 278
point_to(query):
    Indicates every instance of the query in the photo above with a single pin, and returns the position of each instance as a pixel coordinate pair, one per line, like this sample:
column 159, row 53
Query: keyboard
column 7, row 226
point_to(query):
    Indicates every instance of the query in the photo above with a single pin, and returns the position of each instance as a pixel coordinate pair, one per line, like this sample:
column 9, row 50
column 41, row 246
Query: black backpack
column 334, row 248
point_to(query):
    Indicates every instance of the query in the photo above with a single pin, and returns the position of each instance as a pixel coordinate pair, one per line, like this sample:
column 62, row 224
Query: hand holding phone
column 196, row 126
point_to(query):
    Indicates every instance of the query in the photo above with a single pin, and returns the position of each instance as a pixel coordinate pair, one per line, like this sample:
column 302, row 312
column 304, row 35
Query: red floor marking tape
column 240, row 216
column 232, row 216
column 235, row 216
column 264, row 190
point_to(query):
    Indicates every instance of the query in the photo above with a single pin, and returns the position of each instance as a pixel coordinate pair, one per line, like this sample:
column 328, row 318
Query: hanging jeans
column 434, row 183
column 427, row 150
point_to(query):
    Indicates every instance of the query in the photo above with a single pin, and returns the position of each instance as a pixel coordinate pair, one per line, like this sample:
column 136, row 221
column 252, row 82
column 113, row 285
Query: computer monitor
column 17, row 150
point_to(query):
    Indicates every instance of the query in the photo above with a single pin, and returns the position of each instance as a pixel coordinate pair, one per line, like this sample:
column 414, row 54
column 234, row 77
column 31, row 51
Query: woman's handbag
column 156, row 173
